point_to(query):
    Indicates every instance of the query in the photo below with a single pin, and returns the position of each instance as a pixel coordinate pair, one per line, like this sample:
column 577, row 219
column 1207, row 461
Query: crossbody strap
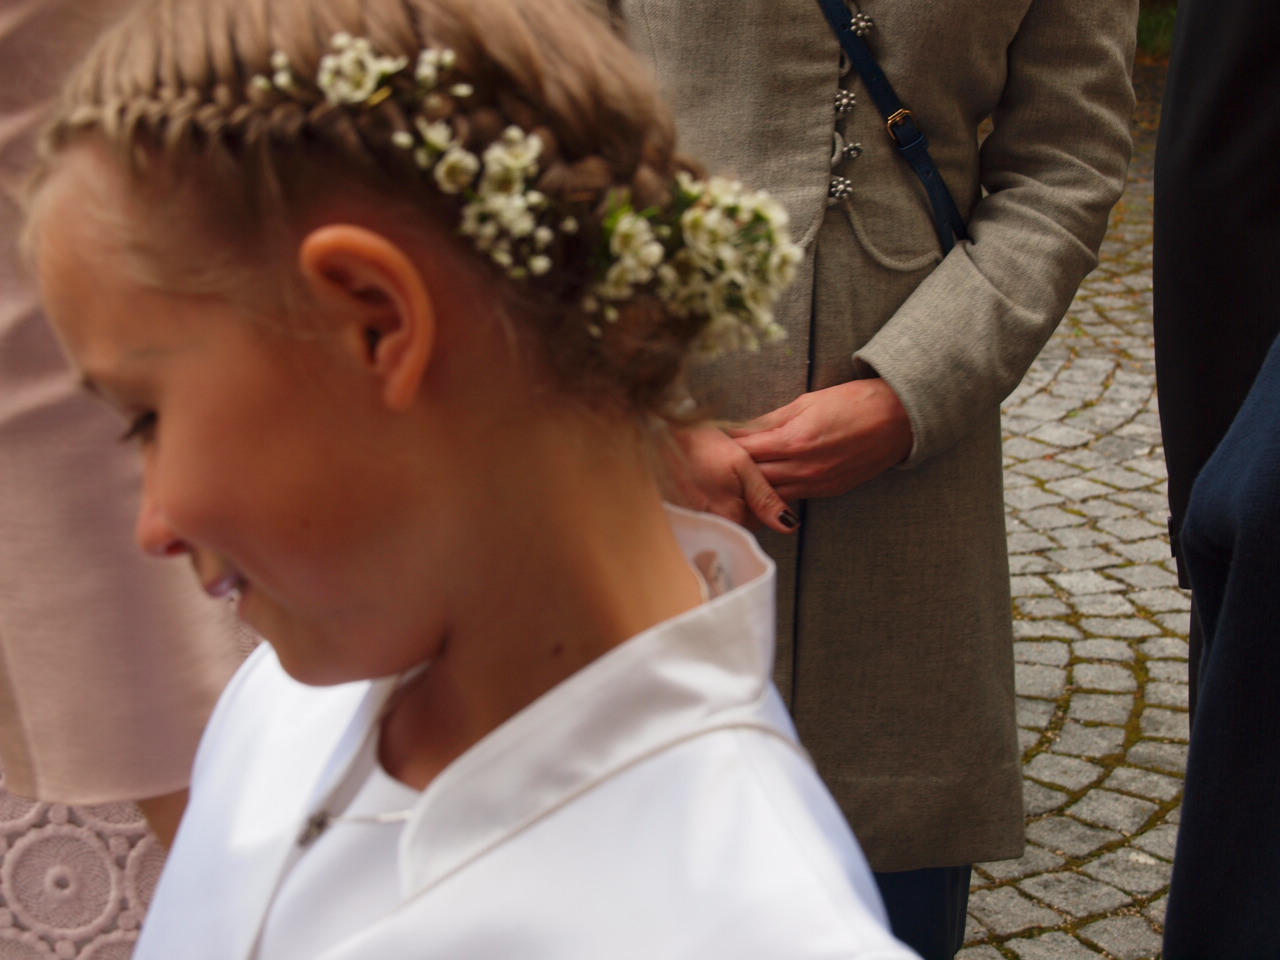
column 899, row 122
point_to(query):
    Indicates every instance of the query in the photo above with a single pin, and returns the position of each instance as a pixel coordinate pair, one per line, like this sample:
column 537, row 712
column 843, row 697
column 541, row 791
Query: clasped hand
column 822, row 444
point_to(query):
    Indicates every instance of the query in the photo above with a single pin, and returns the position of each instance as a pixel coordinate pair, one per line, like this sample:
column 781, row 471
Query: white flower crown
column 718, row 250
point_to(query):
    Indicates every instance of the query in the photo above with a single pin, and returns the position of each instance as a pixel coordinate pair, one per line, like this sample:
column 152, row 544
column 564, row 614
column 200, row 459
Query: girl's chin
column 242, row 605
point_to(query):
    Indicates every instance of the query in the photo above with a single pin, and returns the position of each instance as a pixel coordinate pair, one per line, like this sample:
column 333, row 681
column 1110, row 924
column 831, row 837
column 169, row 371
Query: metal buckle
column 902, row 116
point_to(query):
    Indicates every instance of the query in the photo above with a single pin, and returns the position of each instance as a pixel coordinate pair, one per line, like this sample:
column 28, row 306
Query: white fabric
column 653, row 805
column 355, row 847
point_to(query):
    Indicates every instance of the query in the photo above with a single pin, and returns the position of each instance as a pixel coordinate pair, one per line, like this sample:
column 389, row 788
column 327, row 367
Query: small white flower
column 279, row 60
column 499, row 178
column 540, row 264
column 355, row 72
column 403, row 139
column 515, row 151
column 616, row 284
column 456, row 170
column 569, row 226
column 260, row 82
column 433, row 62
column 461, row 90
column 637, row 251
column 438, row 135
column 427, row 71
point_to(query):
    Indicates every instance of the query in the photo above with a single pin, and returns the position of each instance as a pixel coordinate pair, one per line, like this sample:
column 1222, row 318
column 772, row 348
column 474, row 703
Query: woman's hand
column 825, row 443
column 709, row 471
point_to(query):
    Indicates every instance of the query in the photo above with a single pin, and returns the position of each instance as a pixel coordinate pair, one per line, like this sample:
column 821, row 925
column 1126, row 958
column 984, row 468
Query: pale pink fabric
column 109, row 661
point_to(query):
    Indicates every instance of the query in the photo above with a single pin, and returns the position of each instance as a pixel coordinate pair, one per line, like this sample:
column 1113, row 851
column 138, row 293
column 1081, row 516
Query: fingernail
column 789, row 519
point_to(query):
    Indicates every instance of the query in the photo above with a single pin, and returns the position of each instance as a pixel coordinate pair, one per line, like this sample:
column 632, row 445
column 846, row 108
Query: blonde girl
column 394, row 298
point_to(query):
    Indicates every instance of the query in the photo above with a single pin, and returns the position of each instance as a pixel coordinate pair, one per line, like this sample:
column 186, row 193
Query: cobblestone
column 1097, row 649
column 1006, row 911
column 1100, row 628
column 1070, row 838
column 1037, row 680
column 1128, row 938
column 1115, row 810
column 1174, row 648
column 1069, row 772
column 1100, row 707
column 1049, row 946
column 1119, row 626
column 1074, row 894
column 1079, row 740
column 1166, row 724
column 1102, row 605
column 1170, row 757
column 1168, row 670
column 1131, row 869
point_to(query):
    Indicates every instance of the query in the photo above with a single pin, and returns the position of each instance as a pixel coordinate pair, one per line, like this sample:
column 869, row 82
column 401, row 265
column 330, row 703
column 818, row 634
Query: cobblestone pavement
column 1100, row 628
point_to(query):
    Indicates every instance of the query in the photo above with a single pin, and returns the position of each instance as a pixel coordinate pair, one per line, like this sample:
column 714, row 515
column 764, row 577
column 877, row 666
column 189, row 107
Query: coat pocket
column 886, row 204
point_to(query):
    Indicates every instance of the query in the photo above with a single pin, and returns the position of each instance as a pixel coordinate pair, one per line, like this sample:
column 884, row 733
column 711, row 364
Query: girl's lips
column 224, row 586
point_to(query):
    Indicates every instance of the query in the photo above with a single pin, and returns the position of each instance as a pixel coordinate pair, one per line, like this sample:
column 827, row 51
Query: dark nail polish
column 789, row 519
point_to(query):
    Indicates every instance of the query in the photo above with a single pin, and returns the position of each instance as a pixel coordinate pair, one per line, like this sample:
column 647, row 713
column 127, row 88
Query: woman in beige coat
column 109, row 662
column 879, row 421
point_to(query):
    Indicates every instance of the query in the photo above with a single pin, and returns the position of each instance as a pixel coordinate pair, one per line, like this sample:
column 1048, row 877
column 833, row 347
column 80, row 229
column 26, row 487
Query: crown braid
column 185, row 89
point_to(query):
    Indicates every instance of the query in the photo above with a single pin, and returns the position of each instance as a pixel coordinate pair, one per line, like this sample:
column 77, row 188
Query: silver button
column 841, row 151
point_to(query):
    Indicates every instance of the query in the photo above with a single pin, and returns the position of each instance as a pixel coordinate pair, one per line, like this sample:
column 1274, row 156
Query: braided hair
column 234, row 170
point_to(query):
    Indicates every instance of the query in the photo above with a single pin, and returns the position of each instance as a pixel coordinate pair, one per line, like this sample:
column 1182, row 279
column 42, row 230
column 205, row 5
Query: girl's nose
column 153, row 532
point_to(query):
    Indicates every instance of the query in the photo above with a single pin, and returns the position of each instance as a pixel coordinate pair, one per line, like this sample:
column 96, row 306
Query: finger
column 729, row 508
column 765, row 504
column 764, row 447
column 766, row 421
column 795, row 492
column 780, row 473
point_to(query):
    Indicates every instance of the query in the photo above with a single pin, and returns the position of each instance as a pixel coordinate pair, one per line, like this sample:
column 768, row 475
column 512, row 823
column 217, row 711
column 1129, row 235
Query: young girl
column 391, row 296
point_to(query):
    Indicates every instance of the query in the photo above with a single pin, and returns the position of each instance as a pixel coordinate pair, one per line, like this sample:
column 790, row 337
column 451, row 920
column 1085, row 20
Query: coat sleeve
column 1050, row 172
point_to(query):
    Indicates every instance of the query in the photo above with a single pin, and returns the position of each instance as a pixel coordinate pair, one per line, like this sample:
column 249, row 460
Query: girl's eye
column 141, row 428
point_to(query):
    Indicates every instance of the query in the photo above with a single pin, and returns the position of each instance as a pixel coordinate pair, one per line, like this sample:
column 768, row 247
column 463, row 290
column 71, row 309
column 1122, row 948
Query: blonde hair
column 171, row 91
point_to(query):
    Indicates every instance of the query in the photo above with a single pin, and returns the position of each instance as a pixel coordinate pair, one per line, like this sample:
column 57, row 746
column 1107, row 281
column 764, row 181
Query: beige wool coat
column 895, row 640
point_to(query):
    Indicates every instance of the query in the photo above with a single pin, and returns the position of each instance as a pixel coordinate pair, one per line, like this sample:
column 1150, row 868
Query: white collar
column 704, row 670
column 677, row 679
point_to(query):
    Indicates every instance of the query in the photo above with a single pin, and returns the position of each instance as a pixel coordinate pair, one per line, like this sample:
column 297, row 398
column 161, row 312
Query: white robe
column 654, row 805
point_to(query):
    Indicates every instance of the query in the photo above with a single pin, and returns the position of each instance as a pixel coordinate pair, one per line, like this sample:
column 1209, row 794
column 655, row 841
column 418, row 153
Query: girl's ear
column 381, row 301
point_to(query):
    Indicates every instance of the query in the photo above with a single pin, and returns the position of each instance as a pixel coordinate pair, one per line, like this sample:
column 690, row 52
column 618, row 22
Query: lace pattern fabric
column 75, row 882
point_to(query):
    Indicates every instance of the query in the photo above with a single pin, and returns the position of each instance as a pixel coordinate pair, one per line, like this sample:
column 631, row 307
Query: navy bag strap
column 901, row 125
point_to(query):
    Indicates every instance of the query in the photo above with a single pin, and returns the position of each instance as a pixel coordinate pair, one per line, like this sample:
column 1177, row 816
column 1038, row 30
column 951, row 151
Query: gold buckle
column 901, row 116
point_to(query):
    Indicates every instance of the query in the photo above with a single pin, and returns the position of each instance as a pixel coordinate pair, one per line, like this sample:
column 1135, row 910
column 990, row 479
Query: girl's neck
column 575, row 558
